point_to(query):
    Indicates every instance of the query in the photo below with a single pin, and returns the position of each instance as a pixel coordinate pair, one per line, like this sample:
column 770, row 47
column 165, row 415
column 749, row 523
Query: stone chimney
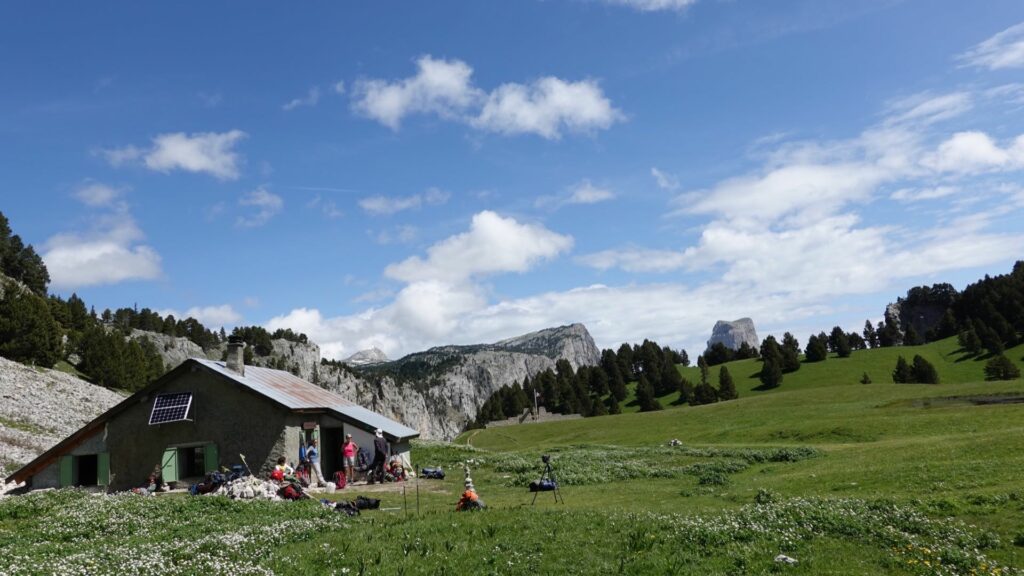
column 236, row 354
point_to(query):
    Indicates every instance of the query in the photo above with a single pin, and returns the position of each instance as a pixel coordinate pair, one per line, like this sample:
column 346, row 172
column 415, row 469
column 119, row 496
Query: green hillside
column 953, row 366
column 848, row 479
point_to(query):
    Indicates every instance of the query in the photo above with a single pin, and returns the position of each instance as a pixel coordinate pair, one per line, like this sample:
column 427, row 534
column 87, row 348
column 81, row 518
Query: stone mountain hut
column 203, row 415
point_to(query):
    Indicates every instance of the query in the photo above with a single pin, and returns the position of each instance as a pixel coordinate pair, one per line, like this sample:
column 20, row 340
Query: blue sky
column 404, row 175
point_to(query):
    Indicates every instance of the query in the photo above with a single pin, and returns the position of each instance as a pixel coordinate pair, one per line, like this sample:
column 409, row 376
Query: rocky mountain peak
column 367, row 357
column 734, row 333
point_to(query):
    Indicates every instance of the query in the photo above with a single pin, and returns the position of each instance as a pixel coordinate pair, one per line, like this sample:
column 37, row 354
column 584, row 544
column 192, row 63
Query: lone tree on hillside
column 870, row 336
column 771, row 363
column 726, row 387
column 839, row 342
column 924, row 372
column 865, row 379
column 790, row 353
column 703, row 365
column 1001, row 368
column 816, row 350
column 969, row 341
column 902, row 374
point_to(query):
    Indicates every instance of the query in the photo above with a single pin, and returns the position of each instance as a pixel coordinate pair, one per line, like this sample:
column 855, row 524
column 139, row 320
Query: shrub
column 1001, row 368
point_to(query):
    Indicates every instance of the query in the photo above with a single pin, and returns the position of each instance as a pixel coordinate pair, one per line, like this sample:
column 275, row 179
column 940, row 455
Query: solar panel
column 170, row 408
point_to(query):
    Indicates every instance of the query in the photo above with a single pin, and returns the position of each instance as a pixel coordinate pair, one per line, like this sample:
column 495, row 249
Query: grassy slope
column 952, row 365
column 940, row 461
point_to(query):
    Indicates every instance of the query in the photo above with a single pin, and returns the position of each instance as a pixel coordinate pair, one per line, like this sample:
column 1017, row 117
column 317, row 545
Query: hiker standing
column 316, row 477
column 380, row 456
column 348, row 457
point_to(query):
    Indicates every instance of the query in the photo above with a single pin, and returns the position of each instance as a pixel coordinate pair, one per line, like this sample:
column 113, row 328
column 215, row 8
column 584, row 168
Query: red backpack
column 339, row 480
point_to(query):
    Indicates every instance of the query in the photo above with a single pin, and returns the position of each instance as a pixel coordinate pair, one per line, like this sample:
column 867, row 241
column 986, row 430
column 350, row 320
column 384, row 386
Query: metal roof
column 295, row 393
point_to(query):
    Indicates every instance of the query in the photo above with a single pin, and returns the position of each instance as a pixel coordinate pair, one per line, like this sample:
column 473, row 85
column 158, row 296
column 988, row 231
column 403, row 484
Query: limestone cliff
column 439, row 391
column 734, row 333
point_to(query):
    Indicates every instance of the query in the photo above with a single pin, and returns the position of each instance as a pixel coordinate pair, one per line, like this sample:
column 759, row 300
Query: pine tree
column 771, row 363
column 870, row 336
column 704, row 394
column 910, row 337
column 923, row 371
column 645, row 395
column 865, row 379
column 685, row 391
column 1001, row 368
column 790, row 353
column 969, row 341
column 816, row 351
column 668, row 380
column 613, row 405
column 703, row 365
column 839, row 343
column 726, row 387
column 28, row 332
column 902, row 374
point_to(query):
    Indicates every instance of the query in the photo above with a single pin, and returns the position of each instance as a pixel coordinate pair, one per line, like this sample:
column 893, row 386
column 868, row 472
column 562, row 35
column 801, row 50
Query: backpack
column 364, row 503
column 349, row 508
column 434, row 473
column 290, row 492
column 544, row 485
column 339, row 479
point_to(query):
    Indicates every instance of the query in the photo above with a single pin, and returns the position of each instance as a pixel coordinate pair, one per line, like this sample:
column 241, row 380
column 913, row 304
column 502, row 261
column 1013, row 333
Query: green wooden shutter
column 169, row 468
column 210, row 460
column 67, row 471
column 103, row 469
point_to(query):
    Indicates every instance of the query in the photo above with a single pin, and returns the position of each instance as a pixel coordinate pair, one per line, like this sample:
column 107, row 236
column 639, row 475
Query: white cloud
column 665, row 181
column 974, row 152
column 398, row 235
column 587, row 193
column 109, row 253
column 918, row 194
column 925, row 108
column 546, row 107
column 329, row 208
column 339, row 87
column 209, row 152
column 441, row 87
column 635, row 260
column 266, row 205
column 655, row 5
column 310, row 99
column 581, row 193
column 222, row 315
column 492, row 245
column 97, row 194
column 1004, row 50
column 118, row 157
column 387, row 205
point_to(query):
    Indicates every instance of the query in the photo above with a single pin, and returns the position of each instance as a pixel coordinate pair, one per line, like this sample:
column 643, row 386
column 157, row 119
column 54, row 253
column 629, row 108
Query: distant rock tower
column 734, row 333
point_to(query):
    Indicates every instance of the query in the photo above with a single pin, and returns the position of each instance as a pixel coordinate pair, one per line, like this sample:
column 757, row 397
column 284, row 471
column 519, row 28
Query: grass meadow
column 845, row 478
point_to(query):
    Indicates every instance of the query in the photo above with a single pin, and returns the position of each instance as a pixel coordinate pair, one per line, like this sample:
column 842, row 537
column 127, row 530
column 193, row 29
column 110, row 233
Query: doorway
column 330, row 451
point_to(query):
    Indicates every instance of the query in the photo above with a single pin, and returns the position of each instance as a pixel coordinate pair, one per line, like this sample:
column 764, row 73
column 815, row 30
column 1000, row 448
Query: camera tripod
column 549, row 474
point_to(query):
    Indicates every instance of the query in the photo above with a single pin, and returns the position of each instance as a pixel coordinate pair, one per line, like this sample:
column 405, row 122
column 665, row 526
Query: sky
column 412, row 174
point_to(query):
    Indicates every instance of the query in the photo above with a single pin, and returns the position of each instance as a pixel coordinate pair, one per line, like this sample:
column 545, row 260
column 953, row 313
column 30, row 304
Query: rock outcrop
column 922, row 308
column 734, row 333
column 40, row 407
column 367, row 357
column 439, row 391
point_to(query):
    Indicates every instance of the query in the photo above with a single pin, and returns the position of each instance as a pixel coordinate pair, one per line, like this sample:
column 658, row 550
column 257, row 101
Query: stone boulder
column 734, row 333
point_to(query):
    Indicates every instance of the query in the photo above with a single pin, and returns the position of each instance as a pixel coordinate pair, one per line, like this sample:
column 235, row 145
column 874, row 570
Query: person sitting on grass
column 152, row 482
column 469, row 500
